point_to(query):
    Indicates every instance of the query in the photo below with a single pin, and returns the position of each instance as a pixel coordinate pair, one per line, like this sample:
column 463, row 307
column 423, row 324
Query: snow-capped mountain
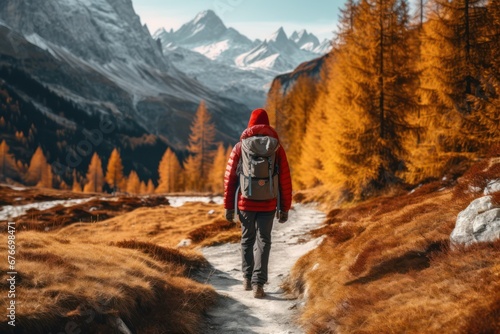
column 277, row 52
column 305, row 40
column 232, row 64
column 207, row 34
column 108, row 62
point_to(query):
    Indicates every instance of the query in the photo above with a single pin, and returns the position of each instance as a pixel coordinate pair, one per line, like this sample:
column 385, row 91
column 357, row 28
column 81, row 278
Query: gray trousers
column 256, row 230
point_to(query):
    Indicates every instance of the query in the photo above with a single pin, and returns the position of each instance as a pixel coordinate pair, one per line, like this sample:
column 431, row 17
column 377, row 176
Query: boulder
column 493, row 186
column 479, row 222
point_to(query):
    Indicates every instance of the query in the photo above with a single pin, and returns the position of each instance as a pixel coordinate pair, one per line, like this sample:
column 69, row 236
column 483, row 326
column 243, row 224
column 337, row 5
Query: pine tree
column 95, row 176
column 114, row 172
column 201, row 142
column 133, row 183
column 216, row 176
column 8, row 166
column 39, row 171
column 169, row 171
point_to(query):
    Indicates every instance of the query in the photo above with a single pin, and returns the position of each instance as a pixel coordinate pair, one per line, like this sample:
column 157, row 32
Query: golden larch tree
column 371, row 91
column 8, row 166
column 133, row 183
column 76, row 187
column 143, row 188
column 150, row 187
column 95, row 176
column 39, row 171
column 170, row 173
column 114, row 172
column 201, row 145
column 216, row 176
column 451, row 57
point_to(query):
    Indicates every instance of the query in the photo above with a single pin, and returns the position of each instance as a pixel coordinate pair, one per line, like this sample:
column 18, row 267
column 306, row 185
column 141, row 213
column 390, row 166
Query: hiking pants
column 256, row 230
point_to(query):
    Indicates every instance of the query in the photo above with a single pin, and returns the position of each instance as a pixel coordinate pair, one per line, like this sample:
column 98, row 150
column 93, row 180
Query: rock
column 493, row 186
column 486, row 226
column 479, row 222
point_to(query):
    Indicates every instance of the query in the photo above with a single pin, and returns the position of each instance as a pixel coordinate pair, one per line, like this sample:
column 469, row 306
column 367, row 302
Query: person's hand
column 282, row 216
column 230, row 215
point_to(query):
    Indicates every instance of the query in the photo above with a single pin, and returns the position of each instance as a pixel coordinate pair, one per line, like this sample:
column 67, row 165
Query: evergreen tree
column 95, row 176
column 169, row 171
column 114, row 172
column 201, row 142
column 8, row 166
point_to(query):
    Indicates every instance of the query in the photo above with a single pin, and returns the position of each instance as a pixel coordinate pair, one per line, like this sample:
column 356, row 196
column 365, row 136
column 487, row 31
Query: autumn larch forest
column 401, row 99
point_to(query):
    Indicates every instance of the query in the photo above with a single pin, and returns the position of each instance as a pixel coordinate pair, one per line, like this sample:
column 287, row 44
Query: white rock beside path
column 479, row 222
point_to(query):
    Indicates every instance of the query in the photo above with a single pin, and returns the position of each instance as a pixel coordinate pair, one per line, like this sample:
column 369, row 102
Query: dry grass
column 63, row 281
column 81, row 277
column 164, row 226
column 385, row 267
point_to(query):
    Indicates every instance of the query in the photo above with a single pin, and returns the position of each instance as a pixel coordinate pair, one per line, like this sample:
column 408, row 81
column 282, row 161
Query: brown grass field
column 83, row 275
column 386, row 266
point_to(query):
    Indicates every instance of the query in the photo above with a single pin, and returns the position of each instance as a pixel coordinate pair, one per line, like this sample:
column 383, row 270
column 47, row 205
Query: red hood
column 259, row 125
column 258, row 117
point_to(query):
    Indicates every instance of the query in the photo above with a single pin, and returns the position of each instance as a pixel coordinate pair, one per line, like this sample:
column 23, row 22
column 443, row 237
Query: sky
column 252, row 18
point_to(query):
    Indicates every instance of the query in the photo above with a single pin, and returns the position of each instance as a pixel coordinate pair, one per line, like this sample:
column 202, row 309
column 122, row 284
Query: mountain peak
column 208, row 16
column 278, row 36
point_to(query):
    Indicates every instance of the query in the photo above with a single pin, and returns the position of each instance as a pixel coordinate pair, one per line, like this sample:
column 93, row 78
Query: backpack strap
column 249, row 177
column 236, row 217
column 269, row 162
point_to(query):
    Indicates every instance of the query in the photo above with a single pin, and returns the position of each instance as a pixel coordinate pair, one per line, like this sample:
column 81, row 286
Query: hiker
column 257, row 186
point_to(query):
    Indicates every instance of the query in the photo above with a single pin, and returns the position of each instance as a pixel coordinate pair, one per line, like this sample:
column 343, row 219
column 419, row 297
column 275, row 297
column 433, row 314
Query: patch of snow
column 176, row 201
column 16, row 188
column 213, row 51
column 12, row 211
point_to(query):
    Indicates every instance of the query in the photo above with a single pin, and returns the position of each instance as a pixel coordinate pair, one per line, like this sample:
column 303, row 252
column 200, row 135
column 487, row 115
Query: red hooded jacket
column 258, row 125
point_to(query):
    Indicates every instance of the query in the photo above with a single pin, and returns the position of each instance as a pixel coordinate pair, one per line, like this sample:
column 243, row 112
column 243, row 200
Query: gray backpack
column 258, row 169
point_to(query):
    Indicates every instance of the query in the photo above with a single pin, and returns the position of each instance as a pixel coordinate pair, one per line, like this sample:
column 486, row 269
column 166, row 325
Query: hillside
column 83, row 271
column 386, row 265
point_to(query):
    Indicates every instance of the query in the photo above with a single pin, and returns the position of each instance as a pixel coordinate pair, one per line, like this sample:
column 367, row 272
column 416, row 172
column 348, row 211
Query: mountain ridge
column 232, row 64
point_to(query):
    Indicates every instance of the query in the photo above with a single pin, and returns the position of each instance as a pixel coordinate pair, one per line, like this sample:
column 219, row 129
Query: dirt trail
column 237, row 311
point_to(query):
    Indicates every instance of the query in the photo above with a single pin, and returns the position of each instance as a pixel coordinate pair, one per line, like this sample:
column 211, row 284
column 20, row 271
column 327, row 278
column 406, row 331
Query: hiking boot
column 258, row 291
column 247, row 284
